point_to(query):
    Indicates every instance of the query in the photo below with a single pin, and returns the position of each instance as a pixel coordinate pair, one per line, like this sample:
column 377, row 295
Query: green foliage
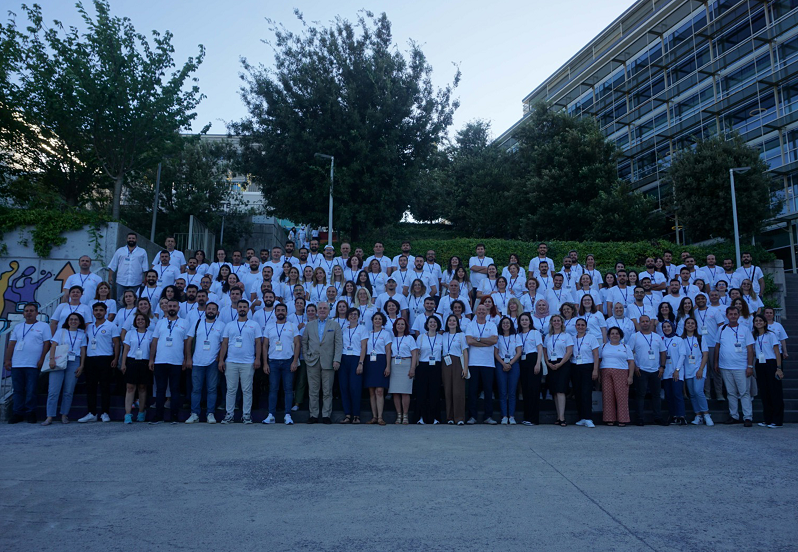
column 343, row 90
column 632, row 254
column 700, row 178
column 90, row 108
column 49, row 225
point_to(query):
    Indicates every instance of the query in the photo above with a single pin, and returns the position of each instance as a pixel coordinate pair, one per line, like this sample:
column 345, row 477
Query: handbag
column 60, row 354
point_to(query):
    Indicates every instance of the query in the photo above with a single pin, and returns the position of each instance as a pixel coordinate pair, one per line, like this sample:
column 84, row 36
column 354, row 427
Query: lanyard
column 523, row 343
column 760, row 339
column 266, row 319
column 554, row 341
column 691, row 342
column 351, row 333
column 482, row 329
column 171, row 325
column 559, row 297
column 506, row 341
column 191, row 277
column 640, row 311
column 492, row 285
column 567, row 275
column 279, row 331
column 298, row 318
column 71, row 341
column 142, row 338
column 240, row 328
column 684, row 289
column 432, row 344
column 512, row 282
column 750, row 276
column 83, row 280
column 374, row 340
column 565, row 329
column 319, row 291
column 702, row 317
column 625, row 294
column 95, row 328
column 541, row 322
column 579, row 345
column 431, row 267
column 544, row 280
column 417, row 306
column 736, row 334
column 149, row 295
column 449, row 341
column 649, row 341
column 207, row 331
column 373, row 278
column 404, row 276
column 668, row 343
column 163, row 268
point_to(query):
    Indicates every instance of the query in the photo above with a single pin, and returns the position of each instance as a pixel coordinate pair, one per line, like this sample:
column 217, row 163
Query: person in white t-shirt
column 85, row 279
column 385, row 262
column 168, row 354
column 734, row 359
column 481, row 337
column 75, row 304
column 167, row 273
column 61, row 383
column 434, row 270
column 176, row 258
column 101, row 360
column 617, row 374
column 534, row 264
column 405, row 248
column 749, row 271
column 135, row 366
column 27, row 346
column 239, row 357
column 478, row 266
column 205, row 335
column 354, row 337
column 281, row 345
column 769, row 373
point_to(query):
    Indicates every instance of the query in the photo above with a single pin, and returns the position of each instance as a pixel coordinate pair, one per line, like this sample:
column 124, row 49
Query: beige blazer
column 326, row 351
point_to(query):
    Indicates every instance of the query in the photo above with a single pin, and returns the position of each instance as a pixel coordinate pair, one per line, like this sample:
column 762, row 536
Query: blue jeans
column 351, row 385
column 508, row 384
column 674, row 396
column 695, row 387
column 62, row 379
column 280, row 369
column 24, row 382
column 204, row 375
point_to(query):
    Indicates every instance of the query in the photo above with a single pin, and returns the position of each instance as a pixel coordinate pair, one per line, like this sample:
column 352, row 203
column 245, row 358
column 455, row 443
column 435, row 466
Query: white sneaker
column 489, row 421
column 527, row 423
column 512, row 420
column 435, row 422
column 580, row 423
column 105, row 417
column 762, row 424
column 269, row 419
column 774, row 426
column 589, row 423
column 246, row 420
column 193, row 419
column 88, row 418
column 699, row 420
column 294, row 408
column 288, row 420
column 211, row 419
column 228, row 419
column 460, row 423
column 504, row 420
column 471, row 421
column 708, row 420
column 420, row 421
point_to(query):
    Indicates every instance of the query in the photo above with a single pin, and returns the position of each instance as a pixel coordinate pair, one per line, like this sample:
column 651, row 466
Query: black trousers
column 648, row 381
column 771, row 392
column 167, row 374
column 98, row 373
column 582, row 377
column 530, row 385
column 427, row 389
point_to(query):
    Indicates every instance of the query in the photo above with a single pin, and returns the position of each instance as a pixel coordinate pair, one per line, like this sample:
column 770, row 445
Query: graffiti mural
column 18, row 288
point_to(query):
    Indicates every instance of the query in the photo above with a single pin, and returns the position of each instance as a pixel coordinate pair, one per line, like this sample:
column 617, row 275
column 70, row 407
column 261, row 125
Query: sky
column 504, row 48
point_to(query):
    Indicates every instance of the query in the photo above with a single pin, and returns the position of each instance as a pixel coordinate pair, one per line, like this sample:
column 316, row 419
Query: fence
column 197, row 237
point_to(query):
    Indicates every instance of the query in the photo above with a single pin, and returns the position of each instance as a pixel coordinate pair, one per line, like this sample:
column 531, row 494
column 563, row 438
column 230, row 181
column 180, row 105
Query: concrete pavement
column 343, row 488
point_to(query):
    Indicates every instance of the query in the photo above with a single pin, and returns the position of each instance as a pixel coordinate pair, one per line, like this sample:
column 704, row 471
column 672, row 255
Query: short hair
column 82, row 324
column 242, row 301
column 132, row 234
column 457, row 302
column 78, row 287
column 188, row 287
column 395, row 302
column 278, row 305
column 730, row 308
column 407, row 327
column 145, row 317
column 432, row 318
column 480, row 244
column 382, row 317
column 94, row 306
column 208, row 304
column 620, row 331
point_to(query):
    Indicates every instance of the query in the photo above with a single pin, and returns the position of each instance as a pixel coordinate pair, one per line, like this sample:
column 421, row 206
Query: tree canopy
column 343, row 90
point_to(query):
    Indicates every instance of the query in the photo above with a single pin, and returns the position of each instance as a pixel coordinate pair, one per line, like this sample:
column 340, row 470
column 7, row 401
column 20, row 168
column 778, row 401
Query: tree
column 702, row 190
column 622, row 215
column 343, row 90
column 195, row 180
column 99, row 101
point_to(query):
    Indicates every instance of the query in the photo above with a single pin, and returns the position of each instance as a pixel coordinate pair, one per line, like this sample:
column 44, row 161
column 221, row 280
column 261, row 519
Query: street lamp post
column 734, row 210
column 330, row 213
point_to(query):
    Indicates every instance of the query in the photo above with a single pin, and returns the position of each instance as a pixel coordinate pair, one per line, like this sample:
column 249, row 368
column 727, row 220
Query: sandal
column 609, row 423
column 399, row 419
column 556, row 422
column 64, row 419
column 380, row 421
column 405, row 419
column 372, row 421
column 356, row 420
column 347, row 419
column 563, row 423
column 621, row 424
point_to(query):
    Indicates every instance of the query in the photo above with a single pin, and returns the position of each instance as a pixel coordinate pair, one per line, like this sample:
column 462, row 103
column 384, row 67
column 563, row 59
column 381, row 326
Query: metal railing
column 197, row 237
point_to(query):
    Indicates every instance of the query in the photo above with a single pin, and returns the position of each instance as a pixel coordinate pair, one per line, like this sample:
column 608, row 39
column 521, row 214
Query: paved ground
column 109, row 487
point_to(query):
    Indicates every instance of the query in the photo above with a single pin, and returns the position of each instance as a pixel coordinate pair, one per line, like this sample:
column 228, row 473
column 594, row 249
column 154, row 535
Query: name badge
column 448, row 360
column 760, row 358
column 127, row 258
column 552, row 355
column 278, row 346
column 704, row 330
column 668, row 356
column 93, row 345
column 350, row 349
column 691, row 359
column 373, row 357
column 651, row 355
column 397, row 360
column 507, row 358
column 20, row 344
column 168, row 341
column 206, row 345
column 238, row 342
column 738, row 347
column 160, row 281
column 579, row 360
column 523, row 357
column 431, row 361
column 71, row 357
column 139, row 354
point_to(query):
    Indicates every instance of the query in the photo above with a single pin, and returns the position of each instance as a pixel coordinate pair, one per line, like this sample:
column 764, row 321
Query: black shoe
column 31, row 418
column 16, row 418
column 326, row 421
column 640, row 423
column 313, row 420
column 748, row 423
column 681, row 421
column 731, row 421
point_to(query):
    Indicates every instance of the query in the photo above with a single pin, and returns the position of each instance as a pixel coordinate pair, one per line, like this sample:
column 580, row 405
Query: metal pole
column 330, row 217
column 155, row 202
column 734, row 215
column 190, row 232
column 221, row 236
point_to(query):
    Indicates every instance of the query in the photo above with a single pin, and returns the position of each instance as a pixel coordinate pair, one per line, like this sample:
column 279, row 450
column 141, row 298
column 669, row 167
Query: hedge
column 632, row 254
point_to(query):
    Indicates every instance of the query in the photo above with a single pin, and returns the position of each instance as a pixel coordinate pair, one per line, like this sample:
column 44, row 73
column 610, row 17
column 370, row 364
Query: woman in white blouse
column 354, row 338
column 62, row 382
column 617, row 374
column 428, row 373
column 507, row 353
column 403, row 367
column 378, row 367
column 558, row 347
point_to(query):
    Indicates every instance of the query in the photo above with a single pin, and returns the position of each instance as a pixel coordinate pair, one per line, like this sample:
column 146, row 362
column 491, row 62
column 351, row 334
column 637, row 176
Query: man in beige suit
column 322, row 345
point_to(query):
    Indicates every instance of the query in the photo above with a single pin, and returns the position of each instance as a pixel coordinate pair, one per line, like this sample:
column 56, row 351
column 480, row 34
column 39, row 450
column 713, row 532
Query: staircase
column 790, row 364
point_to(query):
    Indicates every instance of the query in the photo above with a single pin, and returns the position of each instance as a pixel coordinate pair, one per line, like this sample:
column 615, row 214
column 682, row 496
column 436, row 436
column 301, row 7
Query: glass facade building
column 669, row 70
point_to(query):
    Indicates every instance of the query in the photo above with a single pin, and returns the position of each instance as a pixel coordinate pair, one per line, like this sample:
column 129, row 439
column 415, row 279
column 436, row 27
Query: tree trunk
column 117, row 200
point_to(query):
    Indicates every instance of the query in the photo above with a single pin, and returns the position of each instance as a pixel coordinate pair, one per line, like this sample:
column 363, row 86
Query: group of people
column 302, row 319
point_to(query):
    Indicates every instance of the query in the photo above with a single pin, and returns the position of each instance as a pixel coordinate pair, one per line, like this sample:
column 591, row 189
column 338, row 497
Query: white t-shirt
column 656, row 278
column 171, row 340
column 453, row 344
column 557, row 345
column 405, row 278
column 122, row 317
column 281, row 336
column 763, row 346
column 711, row 275
column 541, row 324
column 176, row 258
column 528, row 302
column 75, row 340
column 708, row 322
column 385, row 263
column 615, row 356
column 101, row 338
column 403, row 347
column 481, row 356
column 421, row 320
column 353, row 339
column 264, row 318
column 193, row 279
column 384, row 297
column 569, row 279
column 754, row 273
column 583, row 349
column 376, row 341
column 595, row 322
column 626, row 325
column 435, row 274
column 674, row 357
column 529, row 342
column 429, row 348
column 377, row 283
column 595, row 278
column 153, row 295
column 277, row 269
column 88, row 282
column 534, row 264
column 166, row 274
column 139, row 344
column 30, row 339
column 476, row 277
column 733, row 343
column 623, row 296
column 415, row 307
column 644, row 347
column 556, row 297
column 63, row 310
column 445, row 306
column 692, row 351
column 508, row 346
column 241, row 338
column 208, row 340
